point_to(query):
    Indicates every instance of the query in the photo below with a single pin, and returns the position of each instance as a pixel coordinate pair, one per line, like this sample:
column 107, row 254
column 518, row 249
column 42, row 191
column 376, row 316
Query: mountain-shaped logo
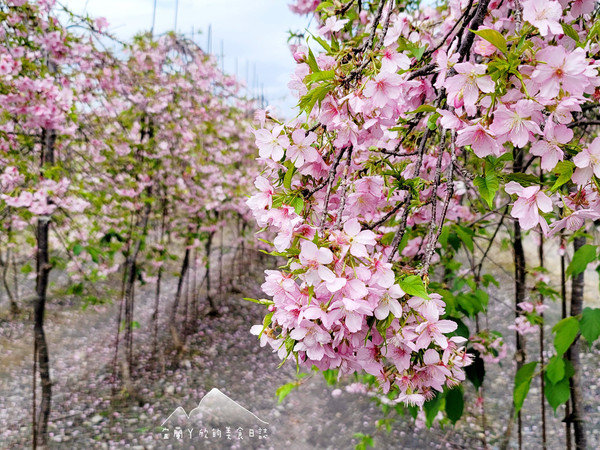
column 215, row 411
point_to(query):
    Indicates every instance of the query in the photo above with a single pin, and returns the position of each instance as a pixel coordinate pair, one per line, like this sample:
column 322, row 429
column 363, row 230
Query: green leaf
column 557, row 393
column 590, row 324
column 289, row 173
column 322, row 76
column 555, row 370
column 323, row 43
column 564, row 170
column 488, row 187
column 522, row 382
column 582, row 257
column 331, row 376
column 525, row 179
column 77, row 249
column 494, row 38
column 283, row 391
column 455, row 404
column 298, row 204
column 423, row 108
column 566, row 331
column 432, row 407
column 413, row 285
column 465, row 235
column 570, row 31
column 312, row 61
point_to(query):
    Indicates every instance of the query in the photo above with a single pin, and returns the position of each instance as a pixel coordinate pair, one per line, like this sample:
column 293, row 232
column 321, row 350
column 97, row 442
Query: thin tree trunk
column 213, row 309
column 173, row 319
column 158, row 282
column 542, row 381
column 577, row 417
column 520, row 287
column 130, row 285
column 14, row 307
column 194, row 291
column 563, row 292
column 43, row 266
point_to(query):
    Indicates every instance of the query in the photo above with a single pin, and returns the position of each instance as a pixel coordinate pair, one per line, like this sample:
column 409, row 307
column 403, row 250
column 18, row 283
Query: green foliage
column 566, row 331
column 590, row 324
column 455, row 404
column 365, row 441
column 494, row 38
column 522, row 382
column 488, row 187
column 432, row 407
column 582, row 257
column 413, row 285
column 283, row 391
column 564, row 170
column 555, row 370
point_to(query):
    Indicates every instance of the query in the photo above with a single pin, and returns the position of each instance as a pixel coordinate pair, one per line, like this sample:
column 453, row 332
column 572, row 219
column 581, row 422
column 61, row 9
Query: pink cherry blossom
column 384, row 88
column 544, row 15
column 482, row 141
column 587, row 162
column 271, row 144
column 389, row 303
column 464, row 88
column 561, row 69
column 516, row 125
column 531, row 200
column 301, row 150
column 548, row 149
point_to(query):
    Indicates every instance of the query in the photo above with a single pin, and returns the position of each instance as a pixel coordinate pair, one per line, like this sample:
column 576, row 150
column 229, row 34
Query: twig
column 329, row 187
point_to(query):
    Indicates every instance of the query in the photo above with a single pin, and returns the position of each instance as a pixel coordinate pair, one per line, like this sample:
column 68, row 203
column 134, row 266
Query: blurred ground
column 224, row 355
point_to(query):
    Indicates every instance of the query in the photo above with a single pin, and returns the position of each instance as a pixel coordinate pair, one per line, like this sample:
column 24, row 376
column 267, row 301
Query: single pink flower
column 564, row 69
column 544, row 15
column 384, row 88
column 587, row 162
column 516, row 125
column 527, row 206
column 548, row 149
column 482, row 141
column 302, row 151
column 464, row 88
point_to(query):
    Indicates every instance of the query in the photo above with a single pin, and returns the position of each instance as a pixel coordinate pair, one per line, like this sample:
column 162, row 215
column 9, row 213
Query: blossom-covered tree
column 419, row 128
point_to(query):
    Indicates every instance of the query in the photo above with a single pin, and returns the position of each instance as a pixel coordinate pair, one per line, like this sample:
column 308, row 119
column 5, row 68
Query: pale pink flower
column 527, row 206
column 271, row 144
column 482, row 141
column 389, row 303
column 548, row 149
column 357, row 239
column 587, row 162
column 564, row 69
column 434, row 331
column 314, row 258
column 391, row 61
column 332, row 24
column 383, row 88
column 464, row 88
column 573, row 222
column 544, row 15
column 516, row 125
column 302, row 149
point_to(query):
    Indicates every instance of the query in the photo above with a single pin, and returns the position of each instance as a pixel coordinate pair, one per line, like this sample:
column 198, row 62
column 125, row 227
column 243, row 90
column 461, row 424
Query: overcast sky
column 254, row 33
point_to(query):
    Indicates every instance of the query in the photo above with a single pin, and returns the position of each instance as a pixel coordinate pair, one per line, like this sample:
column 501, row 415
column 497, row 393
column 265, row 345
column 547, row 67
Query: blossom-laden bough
column 418, row 128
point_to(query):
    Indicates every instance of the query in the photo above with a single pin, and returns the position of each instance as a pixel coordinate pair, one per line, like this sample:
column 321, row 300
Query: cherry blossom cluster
column 411, row 128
